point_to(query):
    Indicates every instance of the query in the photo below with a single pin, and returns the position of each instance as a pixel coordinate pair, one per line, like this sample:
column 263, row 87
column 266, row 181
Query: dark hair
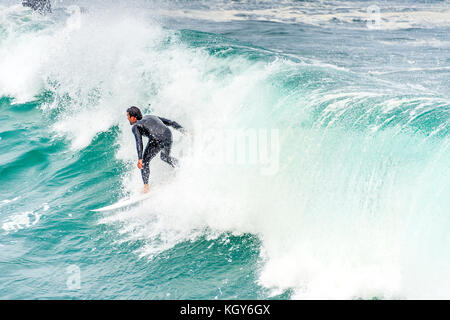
column 135, row 112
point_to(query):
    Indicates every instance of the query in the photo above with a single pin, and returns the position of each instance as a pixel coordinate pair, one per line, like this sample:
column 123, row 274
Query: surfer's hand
column 139, row 164
column 183, row 131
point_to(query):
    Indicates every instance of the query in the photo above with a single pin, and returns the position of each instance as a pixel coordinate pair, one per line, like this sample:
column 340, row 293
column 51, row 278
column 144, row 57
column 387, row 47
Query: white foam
column 6, row 201
column 21, row 221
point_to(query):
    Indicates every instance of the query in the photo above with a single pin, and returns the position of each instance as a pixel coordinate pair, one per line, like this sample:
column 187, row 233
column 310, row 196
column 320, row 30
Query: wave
column 345, row 14
column 356, row 204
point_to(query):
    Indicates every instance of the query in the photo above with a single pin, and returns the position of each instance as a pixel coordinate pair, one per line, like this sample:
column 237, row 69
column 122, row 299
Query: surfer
column 159, row 139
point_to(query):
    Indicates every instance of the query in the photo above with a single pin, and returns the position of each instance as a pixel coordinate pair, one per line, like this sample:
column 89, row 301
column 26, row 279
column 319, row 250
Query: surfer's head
column 133, row 114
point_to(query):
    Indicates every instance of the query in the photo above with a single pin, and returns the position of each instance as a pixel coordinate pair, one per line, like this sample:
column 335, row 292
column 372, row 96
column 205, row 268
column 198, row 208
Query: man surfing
column 159, row 139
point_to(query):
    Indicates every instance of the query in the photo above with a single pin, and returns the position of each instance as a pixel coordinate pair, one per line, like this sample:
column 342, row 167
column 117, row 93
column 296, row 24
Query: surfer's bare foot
column 145, row 190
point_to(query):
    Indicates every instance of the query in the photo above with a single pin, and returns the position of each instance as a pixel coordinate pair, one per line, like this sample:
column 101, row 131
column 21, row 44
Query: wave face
column 317, row 165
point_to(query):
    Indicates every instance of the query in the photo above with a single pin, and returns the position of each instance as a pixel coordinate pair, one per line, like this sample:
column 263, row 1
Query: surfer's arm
column 172, row 124
column 138, row 138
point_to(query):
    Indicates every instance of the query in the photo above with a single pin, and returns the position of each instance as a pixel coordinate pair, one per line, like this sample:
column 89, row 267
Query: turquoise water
column 347, row 197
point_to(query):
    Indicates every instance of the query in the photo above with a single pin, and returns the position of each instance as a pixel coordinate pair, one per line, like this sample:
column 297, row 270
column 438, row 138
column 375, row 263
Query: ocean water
column 317, row 165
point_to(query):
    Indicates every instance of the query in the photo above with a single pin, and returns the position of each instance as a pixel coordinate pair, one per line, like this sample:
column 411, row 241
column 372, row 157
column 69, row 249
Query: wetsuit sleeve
column 138, row 138
column 172, row 124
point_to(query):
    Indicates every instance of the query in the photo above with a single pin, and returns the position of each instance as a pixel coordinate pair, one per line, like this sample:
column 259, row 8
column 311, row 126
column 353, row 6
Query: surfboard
column 124, row 203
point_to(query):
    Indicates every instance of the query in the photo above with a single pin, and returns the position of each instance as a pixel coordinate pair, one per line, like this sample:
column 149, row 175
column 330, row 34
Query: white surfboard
column 124, row 203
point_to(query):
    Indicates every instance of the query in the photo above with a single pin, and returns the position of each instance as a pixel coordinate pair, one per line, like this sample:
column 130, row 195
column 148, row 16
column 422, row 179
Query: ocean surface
column 317, row 164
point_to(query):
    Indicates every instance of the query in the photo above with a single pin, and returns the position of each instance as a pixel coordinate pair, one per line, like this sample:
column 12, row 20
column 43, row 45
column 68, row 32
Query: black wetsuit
column 159, row 139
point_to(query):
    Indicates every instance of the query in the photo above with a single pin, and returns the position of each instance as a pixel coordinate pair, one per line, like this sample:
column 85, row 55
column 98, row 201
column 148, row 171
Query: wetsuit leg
column 165, row 153
column 151, row 150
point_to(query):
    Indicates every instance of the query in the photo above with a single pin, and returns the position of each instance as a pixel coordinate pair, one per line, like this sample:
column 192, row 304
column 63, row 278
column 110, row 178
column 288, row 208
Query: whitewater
column 316, row 165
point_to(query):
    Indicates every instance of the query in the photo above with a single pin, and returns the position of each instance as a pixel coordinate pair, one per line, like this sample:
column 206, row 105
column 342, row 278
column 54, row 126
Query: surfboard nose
column 126, row 202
